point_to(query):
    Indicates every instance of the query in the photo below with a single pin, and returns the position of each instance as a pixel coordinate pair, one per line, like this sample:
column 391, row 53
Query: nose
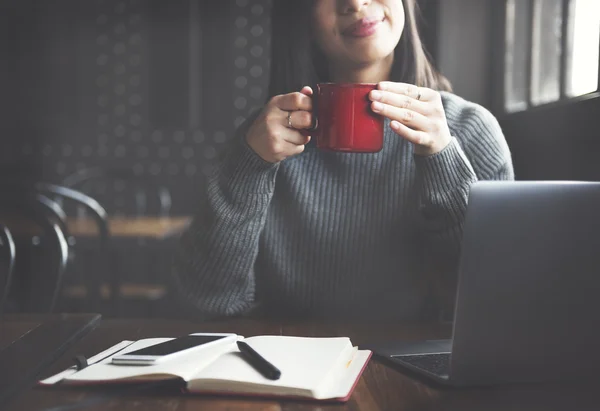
column 353, row 6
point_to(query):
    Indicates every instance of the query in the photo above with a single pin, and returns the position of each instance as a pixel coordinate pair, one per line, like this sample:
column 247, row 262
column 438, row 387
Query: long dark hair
column 296, row 61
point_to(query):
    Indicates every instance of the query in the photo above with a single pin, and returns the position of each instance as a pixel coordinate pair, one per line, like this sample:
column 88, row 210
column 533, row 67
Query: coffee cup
column 343, row 119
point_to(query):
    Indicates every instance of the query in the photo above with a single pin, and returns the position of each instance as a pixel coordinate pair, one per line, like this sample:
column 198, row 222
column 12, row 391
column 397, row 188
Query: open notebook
column 317, row 368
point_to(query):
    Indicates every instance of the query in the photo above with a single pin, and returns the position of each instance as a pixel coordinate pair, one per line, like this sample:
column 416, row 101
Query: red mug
column 344, row 120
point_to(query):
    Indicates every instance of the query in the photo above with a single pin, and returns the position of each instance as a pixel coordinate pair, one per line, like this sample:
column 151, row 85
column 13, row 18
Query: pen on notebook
column 257, row 361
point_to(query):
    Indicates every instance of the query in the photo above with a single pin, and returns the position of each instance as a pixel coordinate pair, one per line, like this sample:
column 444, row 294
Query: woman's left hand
column 416, row 114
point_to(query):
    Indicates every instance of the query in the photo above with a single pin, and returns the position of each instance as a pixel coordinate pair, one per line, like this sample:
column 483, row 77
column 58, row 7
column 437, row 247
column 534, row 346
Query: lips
column 363, row 27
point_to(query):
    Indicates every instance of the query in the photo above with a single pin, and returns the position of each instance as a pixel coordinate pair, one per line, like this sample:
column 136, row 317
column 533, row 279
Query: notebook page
column 304, row 362
column 341, row 386
column 183, row 366
column 339, row 370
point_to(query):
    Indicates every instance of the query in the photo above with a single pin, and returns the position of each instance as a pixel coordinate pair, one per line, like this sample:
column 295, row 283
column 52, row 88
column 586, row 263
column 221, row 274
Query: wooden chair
column 42, row 251
column 7, row 247
column 101, row 260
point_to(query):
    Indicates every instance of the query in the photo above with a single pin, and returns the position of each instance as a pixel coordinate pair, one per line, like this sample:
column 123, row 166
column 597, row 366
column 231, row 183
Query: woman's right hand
column 270, row 135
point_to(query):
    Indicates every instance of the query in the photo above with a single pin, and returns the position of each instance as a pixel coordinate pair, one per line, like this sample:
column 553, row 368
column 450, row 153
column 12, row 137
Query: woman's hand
column 275, row 134
column 416, row 114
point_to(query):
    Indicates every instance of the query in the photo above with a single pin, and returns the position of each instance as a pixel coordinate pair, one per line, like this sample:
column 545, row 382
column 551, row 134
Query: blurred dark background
column 154, row 85
column 149, row 91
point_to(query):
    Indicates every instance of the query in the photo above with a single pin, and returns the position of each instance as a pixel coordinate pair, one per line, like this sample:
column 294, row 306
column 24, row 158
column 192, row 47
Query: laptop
column 528, row 298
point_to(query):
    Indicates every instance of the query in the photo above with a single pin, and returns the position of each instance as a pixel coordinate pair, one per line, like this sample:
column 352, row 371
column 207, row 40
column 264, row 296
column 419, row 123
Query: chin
column 377, row 48
column 370, row 54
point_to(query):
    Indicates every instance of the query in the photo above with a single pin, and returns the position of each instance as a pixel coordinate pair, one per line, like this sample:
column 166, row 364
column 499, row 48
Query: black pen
column 257, row 361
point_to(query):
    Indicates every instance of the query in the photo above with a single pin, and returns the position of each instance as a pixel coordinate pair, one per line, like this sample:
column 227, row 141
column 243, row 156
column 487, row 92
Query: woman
column 296, row 230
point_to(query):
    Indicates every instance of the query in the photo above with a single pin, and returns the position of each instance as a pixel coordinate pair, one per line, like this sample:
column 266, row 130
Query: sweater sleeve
column 478, row 151
column 214, row 262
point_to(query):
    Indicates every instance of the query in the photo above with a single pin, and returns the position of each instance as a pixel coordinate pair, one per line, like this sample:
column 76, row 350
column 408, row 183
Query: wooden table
column 157, row 228
column 125, row 233
column 380, row 388
column 30, row 343
column 101, row 281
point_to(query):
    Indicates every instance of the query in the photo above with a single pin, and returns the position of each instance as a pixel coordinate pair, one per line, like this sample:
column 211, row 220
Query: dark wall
column 464, row 47
column 151, row 84
column 557, row 142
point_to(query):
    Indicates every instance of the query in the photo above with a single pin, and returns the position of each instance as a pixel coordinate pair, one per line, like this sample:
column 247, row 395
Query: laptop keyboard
column 438, row 364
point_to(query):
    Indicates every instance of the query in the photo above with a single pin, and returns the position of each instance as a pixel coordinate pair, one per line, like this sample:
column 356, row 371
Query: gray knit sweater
column 338, row 234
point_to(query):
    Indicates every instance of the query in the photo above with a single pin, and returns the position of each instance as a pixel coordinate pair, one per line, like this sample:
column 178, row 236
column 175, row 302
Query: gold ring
column 289, row 118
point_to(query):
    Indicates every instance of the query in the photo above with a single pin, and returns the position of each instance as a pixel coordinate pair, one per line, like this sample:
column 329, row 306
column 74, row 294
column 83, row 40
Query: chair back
column 8, row 252
column 35, row 223
column 96, row 274
column 98, row 213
